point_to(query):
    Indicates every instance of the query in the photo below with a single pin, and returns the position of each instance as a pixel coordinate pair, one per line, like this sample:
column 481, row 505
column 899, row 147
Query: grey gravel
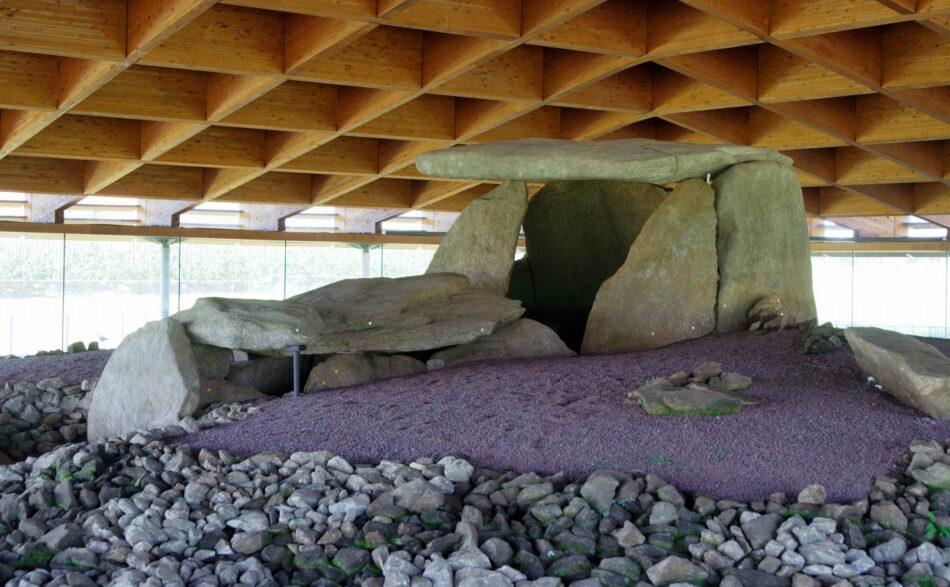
column 143, row 510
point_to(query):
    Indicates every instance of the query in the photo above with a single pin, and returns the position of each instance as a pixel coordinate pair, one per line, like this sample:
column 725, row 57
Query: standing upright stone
column 665, row 292
column 481, row 244
column 150, row 379
column 762, row 242
column 578, row 233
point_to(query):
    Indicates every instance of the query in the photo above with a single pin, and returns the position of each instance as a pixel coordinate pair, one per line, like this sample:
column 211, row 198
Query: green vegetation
column 933, row 529
column 38, row 557
column 660, row 458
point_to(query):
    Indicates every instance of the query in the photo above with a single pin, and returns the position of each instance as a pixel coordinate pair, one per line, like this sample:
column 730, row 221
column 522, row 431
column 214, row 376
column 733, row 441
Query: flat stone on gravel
column 248, row 542
column 62, row 537
column 468, row 557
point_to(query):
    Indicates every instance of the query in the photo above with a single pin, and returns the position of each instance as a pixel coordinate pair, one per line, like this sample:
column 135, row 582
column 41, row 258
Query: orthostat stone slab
column 481, row 244
column 578, row 233
column 348, row 369
column 762, row 243
column 150, row 379
column 665, row 291
column 645, row 160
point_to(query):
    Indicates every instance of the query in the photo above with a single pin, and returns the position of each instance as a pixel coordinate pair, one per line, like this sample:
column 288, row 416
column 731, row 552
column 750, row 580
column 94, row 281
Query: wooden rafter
column 328, row 102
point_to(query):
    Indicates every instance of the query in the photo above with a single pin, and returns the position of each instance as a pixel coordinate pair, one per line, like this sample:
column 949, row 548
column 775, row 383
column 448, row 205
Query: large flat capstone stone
column 522, row 339
column 645, row 160
column 762, row 242
column 406, row 314
column 909, row 369
column 481, row 244
column 150, row 379
column 260, row 326
column 577, row 233
column 665, row 292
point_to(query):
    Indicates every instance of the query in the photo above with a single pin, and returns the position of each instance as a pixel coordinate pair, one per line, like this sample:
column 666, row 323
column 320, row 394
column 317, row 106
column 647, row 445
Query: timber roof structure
column 327, row 102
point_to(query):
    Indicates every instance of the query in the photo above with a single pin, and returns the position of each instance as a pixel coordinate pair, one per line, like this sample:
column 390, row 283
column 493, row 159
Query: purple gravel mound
column 821, row 422
column 74, row 367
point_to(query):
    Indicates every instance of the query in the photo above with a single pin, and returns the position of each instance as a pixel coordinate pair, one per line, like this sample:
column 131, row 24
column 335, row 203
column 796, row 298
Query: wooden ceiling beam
column 932, row 198
column 817, row 163
column 344, row 155
column 836, row 201
column 616, row 27
column 630, row 90
column 427, row 192
column 730, row 125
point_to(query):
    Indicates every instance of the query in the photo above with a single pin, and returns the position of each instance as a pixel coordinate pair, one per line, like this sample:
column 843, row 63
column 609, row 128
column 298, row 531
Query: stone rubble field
column 144, row 510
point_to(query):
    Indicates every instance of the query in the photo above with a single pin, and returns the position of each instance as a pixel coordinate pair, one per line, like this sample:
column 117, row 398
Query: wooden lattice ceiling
column 329, row 101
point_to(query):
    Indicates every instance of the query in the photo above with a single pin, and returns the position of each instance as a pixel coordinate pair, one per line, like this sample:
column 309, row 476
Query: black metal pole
column 295, row 349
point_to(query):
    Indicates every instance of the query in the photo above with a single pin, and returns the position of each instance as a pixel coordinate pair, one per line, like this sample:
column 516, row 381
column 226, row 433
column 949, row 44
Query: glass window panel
column 901, row 291
column 405, row 260
column 31, row 286
column 831, row 278
column 230, row 268
column 112, row 287
column 314, row 264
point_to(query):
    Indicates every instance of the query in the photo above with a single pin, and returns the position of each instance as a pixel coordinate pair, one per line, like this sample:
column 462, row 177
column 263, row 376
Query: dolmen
column 631, row 245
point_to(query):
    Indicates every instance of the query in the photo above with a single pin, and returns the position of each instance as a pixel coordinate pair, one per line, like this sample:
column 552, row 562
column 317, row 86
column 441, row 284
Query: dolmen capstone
column 909, row 369
column 633, row 244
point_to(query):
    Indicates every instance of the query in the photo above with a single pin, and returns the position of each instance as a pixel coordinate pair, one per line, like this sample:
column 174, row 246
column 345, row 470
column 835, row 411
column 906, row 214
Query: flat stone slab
column 645, row 160
column 693, row 399
column 407, row 314
column 909, row 369
column 262, row 326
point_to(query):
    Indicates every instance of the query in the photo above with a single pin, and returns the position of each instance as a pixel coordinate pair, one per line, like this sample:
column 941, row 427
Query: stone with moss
column 570, row 568
column 691, row 400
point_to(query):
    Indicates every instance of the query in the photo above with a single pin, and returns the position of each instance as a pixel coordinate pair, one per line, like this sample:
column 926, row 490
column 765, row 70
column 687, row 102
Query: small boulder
column 349, row 369
column 212, row 391
column 521, row 339
column 213, row 362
